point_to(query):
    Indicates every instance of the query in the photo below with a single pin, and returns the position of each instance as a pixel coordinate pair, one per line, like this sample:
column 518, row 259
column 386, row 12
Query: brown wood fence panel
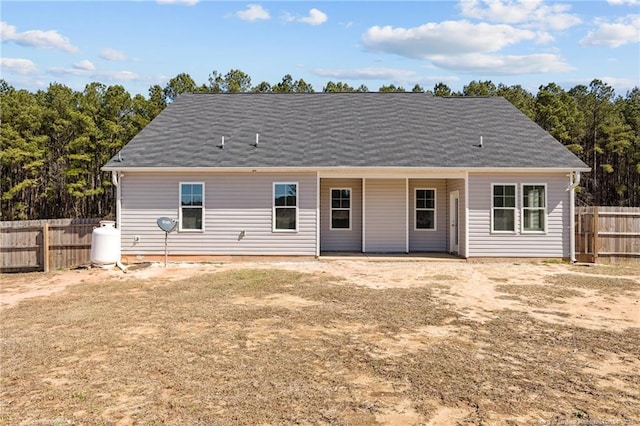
column 607, row 234
column 42, row 245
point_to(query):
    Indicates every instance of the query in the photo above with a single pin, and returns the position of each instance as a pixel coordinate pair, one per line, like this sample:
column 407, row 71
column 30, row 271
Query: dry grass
column 603, row 284
column 537, row 295
column 614, row 269
column 276, row 347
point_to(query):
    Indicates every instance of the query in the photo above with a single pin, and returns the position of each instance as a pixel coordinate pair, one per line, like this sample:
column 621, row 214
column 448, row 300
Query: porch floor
column 394, row 257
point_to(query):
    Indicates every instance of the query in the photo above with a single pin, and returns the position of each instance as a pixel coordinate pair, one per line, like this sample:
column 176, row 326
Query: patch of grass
column 443, row 277
column 187, row 352
column 537, row 295
column 603, row 284
column 616, row 269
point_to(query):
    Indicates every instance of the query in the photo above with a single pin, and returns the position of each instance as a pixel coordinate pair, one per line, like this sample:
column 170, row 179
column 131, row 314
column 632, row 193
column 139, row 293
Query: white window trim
column 273, row 208
column 435, row 210
column 180, row 229
column 331, row 209
column 523, row 208
column 515, row 209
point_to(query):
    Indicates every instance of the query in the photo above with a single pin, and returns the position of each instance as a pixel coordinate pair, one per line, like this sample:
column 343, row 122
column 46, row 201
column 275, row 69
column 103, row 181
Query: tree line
column 54, row 141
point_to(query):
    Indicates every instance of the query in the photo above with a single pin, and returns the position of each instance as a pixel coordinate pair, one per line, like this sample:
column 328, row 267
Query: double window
column 504, row 207
column 191, row 206
column 341, row 208
column 425, row 217
column 285, row 207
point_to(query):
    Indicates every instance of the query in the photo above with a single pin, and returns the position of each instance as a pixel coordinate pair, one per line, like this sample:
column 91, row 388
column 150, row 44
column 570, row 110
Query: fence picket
column 43, row 245
column 607, row 234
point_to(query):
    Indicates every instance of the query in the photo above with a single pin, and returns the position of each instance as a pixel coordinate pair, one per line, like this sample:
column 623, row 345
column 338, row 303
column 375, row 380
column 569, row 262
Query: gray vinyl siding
column 385, row 215
column 341, row 239
column 429, row 240
column 457, row 185
column 234, row 202
column 483, row 242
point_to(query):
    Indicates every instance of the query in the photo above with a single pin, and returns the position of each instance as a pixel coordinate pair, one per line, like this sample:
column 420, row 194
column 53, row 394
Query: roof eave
column 342, row 169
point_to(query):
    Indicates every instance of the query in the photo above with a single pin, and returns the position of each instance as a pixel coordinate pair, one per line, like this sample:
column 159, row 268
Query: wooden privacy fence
column 43, row 245
column 607, row 234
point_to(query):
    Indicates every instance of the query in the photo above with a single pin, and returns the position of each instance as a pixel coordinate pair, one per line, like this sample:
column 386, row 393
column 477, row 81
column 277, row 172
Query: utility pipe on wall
column 115, row 179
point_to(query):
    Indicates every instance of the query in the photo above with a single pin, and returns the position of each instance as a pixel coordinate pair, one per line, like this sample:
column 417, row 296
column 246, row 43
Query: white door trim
column 454, row 222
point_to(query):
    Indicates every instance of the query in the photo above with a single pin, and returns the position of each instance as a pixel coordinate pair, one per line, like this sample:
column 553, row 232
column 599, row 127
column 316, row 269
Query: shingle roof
column 343, row 130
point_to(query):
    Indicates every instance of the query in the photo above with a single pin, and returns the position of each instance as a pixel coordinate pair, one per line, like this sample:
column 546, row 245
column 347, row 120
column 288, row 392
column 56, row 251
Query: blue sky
column 141, row 43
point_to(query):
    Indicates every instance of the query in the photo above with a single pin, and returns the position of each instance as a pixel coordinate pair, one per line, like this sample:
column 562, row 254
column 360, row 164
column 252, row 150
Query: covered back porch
column 392, row 214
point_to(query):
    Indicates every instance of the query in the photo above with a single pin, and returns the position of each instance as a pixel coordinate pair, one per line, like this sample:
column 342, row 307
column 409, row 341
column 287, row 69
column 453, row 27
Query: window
column 341, row 208
column 285, row 206
column 503, row 211
column 425, row 209
column 534, row 208
column 191, row 206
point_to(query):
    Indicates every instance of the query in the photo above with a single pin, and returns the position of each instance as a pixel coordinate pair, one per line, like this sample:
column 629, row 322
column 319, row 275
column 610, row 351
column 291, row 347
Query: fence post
column 596, row 231
column 45, row 246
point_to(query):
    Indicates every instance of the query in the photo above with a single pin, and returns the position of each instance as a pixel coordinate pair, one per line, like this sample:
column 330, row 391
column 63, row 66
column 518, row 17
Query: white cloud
column 624, row 2
column 87, row 69
column 18, row 66
column 36, row 38
column 502, row 64
column 185, row 2
column 85, row 65
column 253, row 12
column 614, row 34
column 620, row 83
column 448, row 37
column 315, row 17
column 368, row 73
column 118, row 76
column 441, row 79
column 113, row 55
column 528, row 13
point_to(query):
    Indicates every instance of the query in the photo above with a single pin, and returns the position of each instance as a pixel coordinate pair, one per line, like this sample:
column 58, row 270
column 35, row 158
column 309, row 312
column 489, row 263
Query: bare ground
column 322, row 342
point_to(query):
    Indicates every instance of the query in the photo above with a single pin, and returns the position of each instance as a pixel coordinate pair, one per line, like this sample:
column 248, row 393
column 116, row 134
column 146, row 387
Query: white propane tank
column 105, row 245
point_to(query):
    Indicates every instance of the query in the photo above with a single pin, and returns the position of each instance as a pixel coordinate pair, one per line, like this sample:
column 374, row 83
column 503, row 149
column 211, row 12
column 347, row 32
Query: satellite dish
column 167, row 224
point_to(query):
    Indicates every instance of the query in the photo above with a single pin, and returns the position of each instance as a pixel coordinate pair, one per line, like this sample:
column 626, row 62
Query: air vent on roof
column 480, row 141
column 257, row 140
column 221, row 146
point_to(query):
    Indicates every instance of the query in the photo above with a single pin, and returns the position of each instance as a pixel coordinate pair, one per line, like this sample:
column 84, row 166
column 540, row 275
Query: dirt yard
column 322, row 342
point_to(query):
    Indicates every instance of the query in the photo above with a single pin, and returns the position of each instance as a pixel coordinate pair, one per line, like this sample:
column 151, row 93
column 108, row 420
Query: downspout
column 574, row 181
column 115, row 179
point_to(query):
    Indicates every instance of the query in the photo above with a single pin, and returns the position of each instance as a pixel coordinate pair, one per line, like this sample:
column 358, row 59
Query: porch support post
column 364, row 215
column 406, row 211
column 466, row 215
column 317, row 214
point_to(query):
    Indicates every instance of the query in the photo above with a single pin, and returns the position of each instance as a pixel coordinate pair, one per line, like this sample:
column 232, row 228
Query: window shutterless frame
column 340, row 206
column 534, row 208
column 191, row 207
column 424, row 203
column 504, row 203
column 285, row 207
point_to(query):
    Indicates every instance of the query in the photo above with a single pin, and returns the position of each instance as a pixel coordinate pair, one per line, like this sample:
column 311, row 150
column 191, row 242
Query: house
column 305, row 174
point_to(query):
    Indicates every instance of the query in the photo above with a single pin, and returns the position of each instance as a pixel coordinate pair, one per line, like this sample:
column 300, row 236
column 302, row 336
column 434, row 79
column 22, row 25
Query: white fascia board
column 445, row 172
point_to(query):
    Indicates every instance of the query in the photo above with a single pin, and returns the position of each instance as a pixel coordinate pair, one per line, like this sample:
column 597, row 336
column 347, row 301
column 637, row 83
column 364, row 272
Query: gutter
column 574, row 181
column 342, row 169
